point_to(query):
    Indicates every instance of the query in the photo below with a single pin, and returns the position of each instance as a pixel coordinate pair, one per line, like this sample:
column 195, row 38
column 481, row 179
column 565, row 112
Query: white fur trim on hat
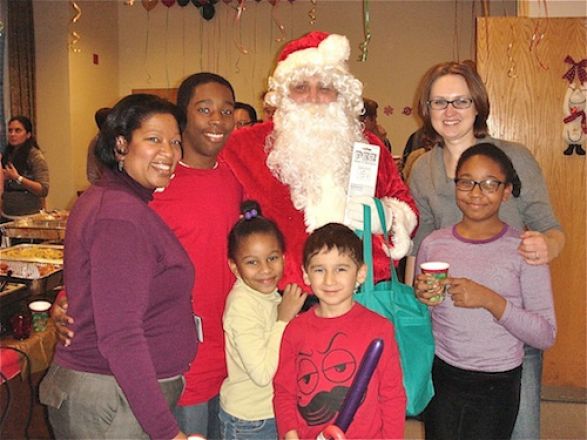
column 333, row 51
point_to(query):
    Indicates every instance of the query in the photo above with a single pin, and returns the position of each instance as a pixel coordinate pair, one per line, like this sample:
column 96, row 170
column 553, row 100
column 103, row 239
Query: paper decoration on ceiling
column 510, row 53
column 75, row 37
column 364, row 46
column 388, row 110
column 277, row 21
column 312, row 12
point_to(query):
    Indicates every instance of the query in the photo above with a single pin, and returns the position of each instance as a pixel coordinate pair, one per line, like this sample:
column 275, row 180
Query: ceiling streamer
column 75, row 36
column 364, row 46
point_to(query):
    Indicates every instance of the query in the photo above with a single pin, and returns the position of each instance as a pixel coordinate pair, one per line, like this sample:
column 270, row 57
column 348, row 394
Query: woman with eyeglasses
column 495, row 302
column 244, row 115
column 454, row 107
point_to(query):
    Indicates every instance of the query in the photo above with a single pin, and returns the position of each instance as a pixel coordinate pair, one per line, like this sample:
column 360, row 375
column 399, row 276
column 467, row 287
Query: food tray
column 28, row 270
column 44, row 226
column 33, row 253
column 11, row 288
column 38, row 277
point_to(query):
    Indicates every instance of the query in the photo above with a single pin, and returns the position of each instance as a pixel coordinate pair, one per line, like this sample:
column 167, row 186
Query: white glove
column 354, row 214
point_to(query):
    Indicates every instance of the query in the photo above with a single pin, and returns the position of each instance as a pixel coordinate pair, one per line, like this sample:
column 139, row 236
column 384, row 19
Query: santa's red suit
column 245, row 154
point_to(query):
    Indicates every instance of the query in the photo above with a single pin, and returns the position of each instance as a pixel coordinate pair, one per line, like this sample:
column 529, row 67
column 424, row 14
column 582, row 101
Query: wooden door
column 522, row 63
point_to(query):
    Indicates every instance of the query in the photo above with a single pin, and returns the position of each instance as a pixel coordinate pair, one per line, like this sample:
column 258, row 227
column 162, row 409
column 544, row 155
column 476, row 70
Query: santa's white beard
column 310, row 151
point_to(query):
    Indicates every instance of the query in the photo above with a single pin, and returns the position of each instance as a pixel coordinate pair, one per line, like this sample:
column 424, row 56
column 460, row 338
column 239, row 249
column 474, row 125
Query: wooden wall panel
column 169, row 94
column 523, row 74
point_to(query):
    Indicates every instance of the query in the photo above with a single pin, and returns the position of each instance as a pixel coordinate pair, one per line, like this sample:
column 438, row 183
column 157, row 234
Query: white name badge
column 199, row 328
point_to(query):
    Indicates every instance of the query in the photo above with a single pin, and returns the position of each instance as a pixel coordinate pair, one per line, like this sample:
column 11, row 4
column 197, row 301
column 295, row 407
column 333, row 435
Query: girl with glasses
column 454, row 106
column 496, row 303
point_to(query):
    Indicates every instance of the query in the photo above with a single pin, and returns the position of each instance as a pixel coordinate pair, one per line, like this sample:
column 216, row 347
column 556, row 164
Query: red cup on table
column 21, row 325
column 436, row 270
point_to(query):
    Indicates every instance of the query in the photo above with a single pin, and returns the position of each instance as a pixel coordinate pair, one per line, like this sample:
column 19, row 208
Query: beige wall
column 407, row 38
column 70, row 87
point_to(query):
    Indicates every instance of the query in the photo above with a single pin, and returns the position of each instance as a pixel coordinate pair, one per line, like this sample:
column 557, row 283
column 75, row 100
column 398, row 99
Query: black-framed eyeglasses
column 487, row 186
column 441, row 104
column 241, row 124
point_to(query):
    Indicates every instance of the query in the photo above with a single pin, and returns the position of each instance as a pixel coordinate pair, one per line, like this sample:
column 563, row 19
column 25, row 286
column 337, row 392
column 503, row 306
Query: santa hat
column 314, row 49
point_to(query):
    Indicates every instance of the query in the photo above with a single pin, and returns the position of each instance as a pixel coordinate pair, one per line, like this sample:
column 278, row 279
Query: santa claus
column 297, row 166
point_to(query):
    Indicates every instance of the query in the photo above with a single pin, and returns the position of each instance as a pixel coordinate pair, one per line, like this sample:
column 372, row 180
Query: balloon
column 273, row 2
column 208, row 12
column 199, row 3
column 183, row 3
column 149, row 4
column 168, row 3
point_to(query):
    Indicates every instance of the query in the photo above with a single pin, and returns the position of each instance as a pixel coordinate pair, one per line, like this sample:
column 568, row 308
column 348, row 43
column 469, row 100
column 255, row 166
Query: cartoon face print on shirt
column 324, row 377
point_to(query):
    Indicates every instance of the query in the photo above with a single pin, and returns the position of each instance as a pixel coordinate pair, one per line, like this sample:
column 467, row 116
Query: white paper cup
column 40, row 314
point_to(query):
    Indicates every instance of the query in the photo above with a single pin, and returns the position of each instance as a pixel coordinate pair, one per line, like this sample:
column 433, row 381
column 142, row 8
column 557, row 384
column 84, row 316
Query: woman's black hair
column 249, row 109
column 19, row 156
column 496, row 154
column 127, row 116
column 251, row 222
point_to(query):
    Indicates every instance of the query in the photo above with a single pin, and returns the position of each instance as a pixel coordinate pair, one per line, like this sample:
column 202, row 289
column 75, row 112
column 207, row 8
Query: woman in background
column 129, row 285
column 25, row 170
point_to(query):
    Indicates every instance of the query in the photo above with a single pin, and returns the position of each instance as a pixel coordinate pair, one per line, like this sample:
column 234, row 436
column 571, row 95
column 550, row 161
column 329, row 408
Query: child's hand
column 428, row 289
column 292, row 302
column 471, row 295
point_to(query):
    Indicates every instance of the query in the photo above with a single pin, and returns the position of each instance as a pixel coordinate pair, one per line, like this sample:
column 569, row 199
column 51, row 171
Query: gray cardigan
column 17, row 201
column 434, row 193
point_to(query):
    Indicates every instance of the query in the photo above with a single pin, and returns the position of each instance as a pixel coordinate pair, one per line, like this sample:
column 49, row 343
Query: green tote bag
column 411, row 320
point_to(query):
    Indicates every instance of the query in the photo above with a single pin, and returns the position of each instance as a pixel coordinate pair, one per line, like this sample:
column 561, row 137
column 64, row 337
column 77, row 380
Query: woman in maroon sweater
column 128, row 285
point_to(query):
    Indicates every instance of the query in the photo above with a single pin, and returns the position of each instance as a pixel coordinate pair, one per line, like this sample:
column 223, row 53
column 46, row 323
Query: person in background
column 128, row 286
column 25, row 171
column 93, row 166
column 268, row 109
column 496, row 302
column 369, row 119
column 454, row 107
column 254, row 319
column 322, row 349
column 244, row 115
column 415, row 146
column 200, row 205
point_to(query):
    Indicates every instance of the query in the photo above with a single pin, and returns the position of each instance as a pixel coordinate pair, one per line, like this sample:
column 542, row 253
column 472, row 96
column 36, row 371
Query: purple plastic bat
column 355, row 394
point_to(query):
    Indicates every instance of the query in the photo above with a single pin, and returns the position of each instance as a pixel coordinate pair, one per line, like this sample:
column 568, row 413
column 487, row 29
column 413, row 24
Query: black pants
column 471, row 404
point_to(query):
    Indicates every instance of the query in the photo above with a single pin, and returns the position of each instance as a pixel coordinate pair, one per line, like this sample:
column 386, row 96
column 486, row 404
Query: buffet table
column 17, row 395
column 39, row 347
